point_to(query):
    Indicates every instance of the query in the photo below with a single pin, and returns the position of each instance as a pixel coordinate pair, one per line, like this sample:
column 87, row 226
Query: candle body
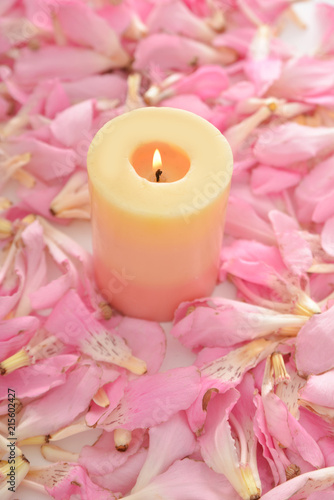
column 156, row 245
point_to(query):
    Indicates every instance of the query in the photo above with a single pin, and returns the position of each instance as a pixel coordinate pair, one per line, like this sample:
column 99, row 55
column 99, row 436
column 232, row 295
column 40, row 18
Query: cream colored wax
column 156, row 244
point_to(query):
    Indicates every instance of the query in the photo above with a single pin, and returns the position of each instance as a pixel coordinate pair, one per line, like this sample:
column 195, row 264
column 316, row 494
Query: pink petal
column 172, row 52
column 254, row 227
column 224, row 373
column 109, row 86
column 316, row 389
column 45, row 416
column 266, row 180
column 115, row 392
column 35, row 263
column 295, row 251
column 64, row 481
column 217, row 444
column 73, row 124
column 313, row 188
column 285, row 428
column 174, row 17
column 51, row 61
column 83, row 26
column 152, row 399
column 304, row 76
column 40, row 202
column 239, row 91
column 327, row 236
column 124, row 477
column 14, row 344
column 190, row 102
column 146, row 340
column 302, row 486
column 266, row 440
column 207, row 82
column 35, row 380
column 63, row 160
column 324, row 210
column 222, row 322
column 290, row 143
column 72, row 323
column 56, row 101
column 263, row 73
column 187, row 479
column 315, row 345
column 103, row 459
column 170, row 441
column 11, row 328
column 325, row 13
column 253, row 261
column 238, row 39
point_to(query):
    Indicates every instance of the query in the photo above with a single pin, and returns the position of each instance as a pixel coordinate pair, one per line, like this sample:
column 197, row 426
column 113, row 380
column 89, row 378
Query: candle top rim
column 113, row 144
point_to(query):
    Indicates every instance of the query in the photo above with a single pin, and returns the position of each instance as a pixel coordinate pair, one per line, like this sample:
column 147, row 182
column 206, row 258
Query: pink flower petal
column 45, row 416
column 172, row 52
column 187, row 479
column 51, row 61
column 146, row 340
column 222, row 322
column 207, row 82
column 11, row 346
column 224, row 373
column 35, row 380
column 170, row 441
column 73, row 124
column 315, row 345
column 152, row 399
column 10, row 328
column 313, row 188
column 316, row 389
column 35, row 264
column 302, row 485
column 63, row 160
column 290, row 143
column 254, row 227
column 253, row 261
column 108, row 86
column 266, row 180
column 325, row 14
column 72, row 323
column 304, row 76
column 285, row 428
column 218, row 446
column 103, row 459
column 295, row 251
column 263, row 73
column 264, row 437
column 83, row 26
column 327, row 237
column 64, row 481
column 190, row 102
column 115, row 392
column 174, row 17
column 124, row 477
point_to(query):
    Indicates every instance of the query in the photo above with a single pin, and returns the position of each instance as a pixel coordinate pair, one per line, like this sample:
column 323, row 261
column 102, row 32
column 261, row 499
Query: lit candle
column 159, row 180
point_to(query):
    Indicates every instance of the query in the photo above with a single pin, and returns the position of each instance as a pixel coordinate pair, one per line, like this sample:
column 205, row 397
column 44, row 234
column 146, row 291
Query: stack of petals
column 253, row 416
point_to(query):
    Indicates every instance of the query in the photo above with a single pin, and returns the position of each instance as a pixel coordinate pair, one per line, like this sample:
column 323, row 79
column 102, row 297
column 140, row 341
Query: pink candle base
column 157, row 303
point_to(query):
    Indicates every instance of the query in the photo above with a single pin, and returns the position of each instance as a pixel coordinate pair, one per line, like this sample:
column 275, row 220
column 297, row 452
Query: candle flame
column 157, row 163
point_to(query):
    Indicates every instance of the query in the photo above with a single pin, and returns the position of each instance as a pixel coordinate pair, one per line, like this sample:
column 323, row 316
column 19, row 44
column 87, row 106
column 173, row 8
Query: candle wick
column 158, row 173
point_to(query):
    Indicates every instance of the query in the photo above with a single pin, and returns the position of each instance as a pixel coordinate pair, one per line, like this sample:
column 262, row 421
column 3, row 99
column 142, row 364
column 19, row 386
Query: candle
column 159, row 180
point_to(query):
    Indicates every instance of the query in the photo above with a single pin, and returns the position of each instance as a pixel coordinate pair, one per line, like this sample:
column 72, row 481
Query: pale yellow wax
column 156, row 244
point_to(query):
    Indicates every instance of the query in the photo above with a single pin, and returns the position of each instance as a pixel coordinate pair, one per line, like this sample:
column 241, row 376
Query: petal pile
column 253, row 416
